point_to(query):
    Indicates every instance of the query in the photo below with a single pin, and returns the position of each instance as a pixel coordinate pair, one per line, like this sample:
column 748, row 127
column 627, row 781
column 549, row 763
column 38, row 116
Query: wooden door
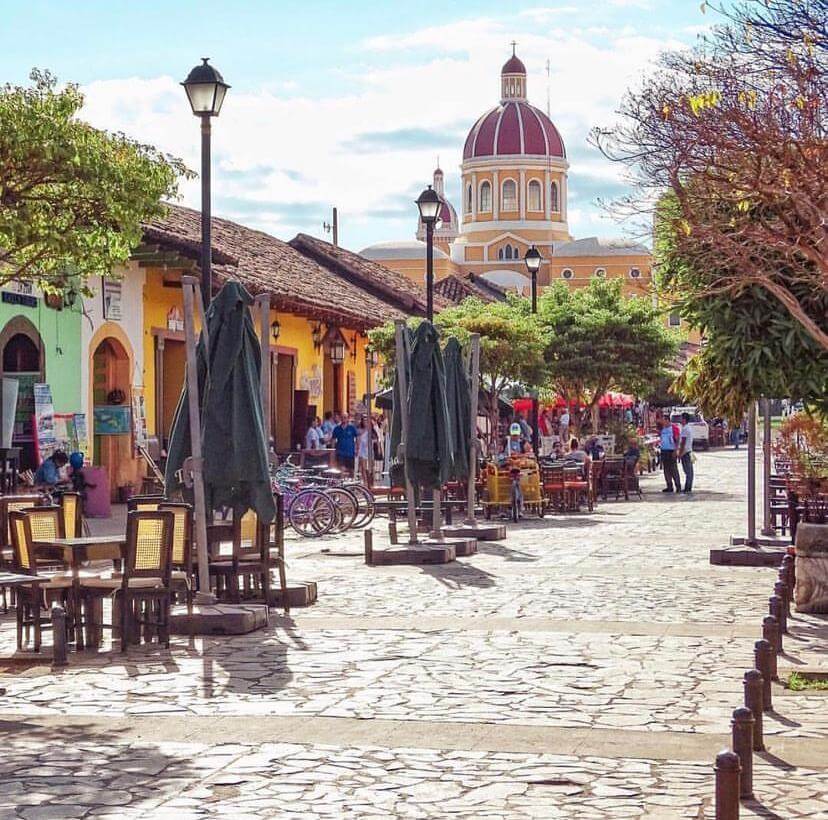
column 283, row 428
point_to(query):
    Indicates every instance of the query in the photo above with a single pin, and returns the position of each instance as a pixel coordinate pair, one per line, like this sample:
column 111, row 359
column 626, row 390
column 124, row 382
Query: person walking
column 668, row 457
column 563, row 429
column 345, row 436
column 364, row 445
column 685, row 452
column 313, row 438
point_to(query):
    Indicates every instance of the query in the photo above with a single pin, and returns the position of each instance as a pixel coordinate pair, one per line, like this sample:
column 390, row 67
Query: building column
column 522, row 194
column 547, row 186
column 474, row 197
column 495, row 196
column 562, row 193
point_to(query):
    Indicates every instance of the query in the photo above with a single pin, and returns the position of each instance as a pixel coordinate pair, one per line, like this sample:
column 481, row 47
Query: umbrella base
column 779, row 541
column 478, row 531
column 463, row 547
column 218, row 619
column 426, row 552
column 298, row 595
column 747, row 556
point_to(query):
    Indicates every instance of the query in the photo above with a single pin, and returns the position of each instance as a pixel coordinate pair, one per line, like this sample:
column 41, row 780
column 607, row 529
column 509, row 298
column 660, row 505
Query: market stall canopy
column 234, row 447
column 384, row 400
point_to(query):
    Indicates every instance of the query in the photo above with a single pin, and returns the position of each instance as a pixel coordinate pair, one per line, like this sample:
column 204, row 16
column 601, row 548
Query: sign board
column 175, row 319
column 10, row 388
column 139, row 418
column 113, row 420
column 23, row 299
column 112, row 300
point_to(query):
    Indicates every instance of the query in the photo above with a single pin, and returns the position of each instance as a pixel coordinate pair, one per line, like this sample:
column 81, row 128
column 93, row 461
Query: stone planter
column 811, row 594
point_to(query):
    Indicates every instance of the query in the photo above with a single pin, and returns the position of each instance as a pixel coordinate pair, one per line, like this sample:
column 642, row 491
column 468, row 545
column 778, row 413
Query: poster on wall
column 44, row 421
column 10, row 388
column 112, row 300
column 139, row 418
column 80, row 432
column 24, row 414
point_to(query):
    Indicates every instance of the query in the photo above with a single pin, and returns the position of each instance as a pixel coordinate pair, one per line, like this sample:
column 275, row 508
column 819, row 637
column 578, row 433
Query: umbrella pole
column 190, row 285
column 474, row 377
column 402, row 380
column 263, row 305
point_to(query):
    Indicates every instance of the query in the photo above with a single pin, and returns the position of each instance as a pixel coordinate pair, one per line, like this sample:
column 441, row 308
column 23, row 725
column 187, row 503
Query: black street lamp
column 533, row 261
column 429, row 204
column 205, row 89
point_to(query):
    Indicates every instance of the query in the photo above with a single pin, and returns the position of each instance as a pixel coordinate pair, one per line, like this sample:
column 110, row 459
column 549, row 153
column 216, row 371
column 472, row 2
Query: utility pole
column 332, row 227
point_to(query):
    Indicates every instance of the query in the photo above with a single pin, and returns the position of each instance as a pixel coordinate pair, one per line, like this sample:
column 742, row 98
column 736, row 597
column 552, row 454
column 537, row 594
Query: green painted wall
column 60, row 332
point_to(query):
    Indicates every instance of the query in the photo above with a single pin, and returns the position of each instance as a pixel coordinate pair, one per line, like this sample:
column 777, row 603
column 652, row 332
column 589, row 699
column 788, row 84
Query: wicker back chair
column 32, row 604
column 181, row 558
column 141, row 595
column 144, row 503
column 552, row 485
column 10, row 503
column 249, row 563
column 71, row 509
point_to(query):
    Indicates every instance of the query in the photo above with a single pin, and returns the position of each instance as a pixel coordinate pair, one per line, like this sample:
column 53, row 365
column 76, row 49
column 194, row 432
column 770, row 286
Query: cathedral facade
column 514, row 187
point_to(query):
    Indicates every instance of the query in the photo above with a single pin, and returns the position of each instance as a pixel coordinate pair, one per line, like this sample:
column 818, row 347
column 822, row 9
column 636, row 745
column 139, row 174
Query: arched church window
column 485, row 197
column 500, row 253
column 509, row 195
column 553, row 196
column 508, row 251
column 469, row 199
column 534, row 195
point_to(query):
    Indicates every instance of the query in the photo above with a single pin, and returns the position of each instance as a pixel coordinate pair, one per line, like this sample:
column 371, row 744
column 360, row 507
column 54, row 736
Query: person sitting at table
column 576, row 453
column 49, row 472
column 594, row 449
column 632, row 454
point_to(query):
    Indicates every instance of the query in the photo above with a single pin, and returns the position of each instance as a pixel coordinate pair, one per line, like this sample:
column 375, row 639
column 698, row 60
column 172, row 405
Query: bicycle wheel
column 311, row 513
column 365, row 501
column 346, row 505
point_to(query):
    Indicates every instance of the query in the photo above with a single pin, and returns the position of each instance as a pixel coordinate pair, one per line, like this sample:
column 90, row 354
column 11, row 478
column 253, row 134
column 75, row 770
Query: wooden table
column 73, row 552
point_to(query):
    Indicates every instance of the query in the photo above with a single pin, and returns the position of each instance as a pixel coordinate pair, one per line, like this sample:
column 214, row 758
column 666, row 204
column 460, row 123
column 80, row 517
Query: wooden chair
column 552, row 486
column 182, row 549
column 141, row 594
column 71, row 509
column 577, row 486
column 8, row 504
column 249, row 562
column 145, row 503
column 46, row 524
column 277, row 545
column 613, row 478
column 30, row 604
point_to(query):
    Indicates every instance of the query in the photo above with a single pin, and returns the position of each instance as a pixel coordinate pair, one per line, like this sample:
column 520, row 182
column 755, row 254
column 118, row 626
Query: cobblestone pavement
column 585, row 667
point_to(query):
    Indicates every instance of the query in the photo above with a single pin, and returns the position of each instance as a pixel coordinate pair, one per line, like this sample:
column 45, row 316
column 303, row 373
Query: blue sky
column 346, row 103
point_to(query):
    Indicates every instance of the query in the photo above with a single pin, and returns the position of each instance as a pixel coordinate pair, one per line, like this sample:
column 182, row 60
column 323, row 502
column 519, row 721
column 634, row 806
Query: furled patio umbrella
column 459, row 407
column 233, row 441
column 430, row 448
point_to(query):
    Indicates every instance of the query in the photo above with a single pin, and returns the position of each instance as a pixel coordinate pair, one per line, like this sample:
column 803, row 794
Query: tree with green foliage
column 511, row 343
column 598, row 340
column 72, row 197
column 752, row 348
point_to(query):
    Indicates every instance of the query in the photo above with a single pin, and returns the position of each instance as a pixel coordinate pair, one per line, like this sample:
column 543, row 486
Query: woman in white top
column 364, row 444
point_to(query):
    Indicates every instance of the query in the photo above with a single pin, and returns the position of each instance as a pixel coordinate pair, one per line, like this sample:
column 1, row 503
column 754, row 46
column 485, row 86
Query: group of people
column 676, row 448
column 355, row 443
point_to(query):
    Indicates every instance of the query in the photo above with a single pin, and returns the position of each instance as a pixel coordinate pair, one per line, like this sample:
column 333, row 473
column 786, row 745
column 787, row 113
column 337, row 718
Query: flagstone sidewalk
column 585, row 667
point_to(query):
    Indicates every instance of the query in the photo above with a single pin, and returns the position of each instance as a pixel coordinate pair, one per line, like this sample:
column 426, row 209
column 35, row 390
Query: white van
column 701, row 431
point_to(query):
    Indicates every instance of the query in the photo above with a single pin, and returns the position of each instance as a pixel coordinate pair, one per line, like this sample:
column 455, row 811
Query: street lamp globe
column 533, row 259
column 205, row 89
column 371, row 357
column 275, row 330
column 429, row 204
column 337, row 351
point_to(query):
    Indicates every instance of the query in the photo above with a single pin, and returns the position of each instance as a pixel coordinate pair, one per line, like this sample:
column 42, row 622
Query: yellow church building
column 514, row 184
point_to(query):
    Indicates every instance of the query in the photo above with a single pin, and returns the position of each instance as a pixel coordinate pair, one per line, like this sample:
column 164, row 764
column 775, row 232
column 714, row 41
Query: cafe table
column 75, row 551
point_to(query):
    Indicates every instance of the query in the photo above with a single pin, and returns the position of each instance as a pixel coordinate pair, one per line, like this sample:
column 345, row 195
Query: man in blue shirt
column 345, row 436
column 668, row 457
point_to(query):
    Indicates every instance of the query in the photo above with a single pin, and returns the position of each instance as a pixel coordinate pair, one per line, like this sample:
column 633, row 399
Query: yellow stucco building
column 514, row 187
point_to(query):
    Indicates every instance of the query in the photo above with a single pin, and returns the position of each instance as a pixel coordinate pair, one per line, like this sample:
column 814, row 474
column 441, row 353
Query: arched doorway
column 22, row 358
column 111, row 372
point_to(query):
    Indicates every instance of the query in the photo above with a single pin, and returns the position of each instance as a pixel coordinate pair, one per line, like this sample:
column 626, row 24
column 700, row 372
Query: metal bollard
column 770, row 632
column 789, row 561
column 727, row 785
column 59, row 649
column 742, row 737
column 368, row 536
column 754, row 700
column 775, row 609
column 785, row 590
column 781, row 591
column 762, row 654
column 393, row 537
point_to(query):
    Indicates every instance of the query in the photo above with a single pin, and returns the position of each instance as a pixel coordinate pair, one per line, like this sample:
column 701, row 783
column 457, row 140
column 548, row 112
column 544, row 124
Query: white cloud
column 282, row 149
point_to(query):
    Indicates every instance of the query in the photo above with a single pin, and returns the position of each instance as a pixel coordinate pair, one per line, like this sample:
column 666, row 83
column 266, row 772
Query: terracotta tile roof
column 297, row 282
column 457, row 287
column 384, row 282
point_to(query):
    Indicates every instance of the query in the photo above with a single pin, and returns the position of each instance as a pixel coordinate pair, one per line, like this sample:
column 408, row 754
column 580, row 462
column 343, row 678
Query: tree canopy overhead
column 72, row 197
column 598, row 340
column 735, row 129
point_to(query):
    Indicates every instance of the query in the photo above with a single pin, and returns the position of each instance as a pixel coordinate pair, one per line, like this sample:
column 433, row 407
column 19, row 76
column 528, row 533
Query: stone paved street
column 586, row 667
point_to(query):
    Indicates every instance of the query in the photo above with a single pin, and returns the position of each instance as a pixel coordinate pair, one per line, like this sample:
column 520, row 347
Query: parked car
column 700, row 428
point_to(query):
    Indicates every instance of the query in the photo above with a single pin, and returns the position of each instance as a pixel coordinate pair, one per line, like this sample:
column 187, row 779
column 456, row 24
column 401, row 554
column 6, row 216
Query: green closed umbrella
column 234, row 448
column 430, row 447
column 459, row 407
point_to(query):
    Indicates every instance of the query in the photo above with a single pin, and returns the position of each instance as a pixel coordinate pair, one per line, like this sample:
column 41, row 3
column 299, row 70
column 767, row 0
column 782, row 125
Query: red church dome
column 514, row 127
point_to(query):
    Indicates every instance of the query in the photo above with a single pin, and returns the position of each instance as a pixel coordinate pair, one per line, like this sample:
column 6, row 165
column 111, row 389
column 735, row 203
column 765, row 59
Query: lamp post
column 371, row 361
column 205, row 89
column 429, row 204
column 533, row 261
